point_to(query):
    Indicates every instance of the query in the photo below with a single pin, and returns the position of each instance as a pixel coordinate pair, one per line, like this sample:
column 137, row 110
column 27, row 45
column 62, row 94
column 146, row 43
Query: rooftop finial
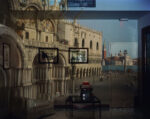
column 104, row 44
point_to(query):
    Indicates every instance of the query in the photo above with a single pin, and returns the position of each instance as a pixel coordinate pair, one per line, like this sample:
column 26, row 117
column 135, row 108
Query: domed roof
column 120, row 53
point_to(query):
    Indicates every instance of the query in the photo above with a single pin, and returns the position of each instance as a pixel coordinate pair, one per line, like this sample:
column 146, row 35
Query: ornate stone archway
column 59, row 77
column 13, row 76
column 34, row 6
column 40, row 76
column 11, row 36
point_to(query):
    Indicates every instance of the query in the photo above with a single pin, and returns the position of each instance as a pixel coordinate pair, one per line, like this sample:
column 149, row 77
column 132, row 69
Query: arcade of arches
column 27, row 79
column 41, row 81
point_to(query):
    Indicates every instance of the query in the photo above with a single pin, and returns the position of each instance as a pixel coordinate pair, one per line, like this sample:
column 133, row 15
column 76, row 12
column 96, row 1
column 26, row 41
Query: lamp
column 123, row 19
column 43, row 3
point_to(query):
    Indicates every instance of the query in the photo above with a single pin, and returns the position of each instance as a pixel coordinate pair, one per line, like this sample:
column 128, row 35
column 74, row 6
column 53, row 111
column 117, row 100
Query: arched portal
column 33, row 7
column 16, row 48
column 40, row 75
column 39, row 69
column 59, row 77
column 11, row 63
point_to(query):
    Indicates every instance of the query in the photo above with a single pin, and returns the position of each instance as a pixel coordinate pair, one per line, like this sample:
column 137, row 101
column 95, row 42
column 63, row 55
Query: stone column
column 82, row 74
column 53, row 88
column 59, row 72
column 62, row 78
column 85, row 73
column 66, row 90
column 57, row 86
column 55, row 72
column 79, row 74
column 62, row 87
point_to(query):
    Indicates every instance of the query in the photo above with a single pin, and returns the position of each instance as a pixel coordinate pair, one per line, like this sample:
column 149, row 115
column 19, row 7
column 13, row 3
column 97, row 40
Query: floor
column 114, row 113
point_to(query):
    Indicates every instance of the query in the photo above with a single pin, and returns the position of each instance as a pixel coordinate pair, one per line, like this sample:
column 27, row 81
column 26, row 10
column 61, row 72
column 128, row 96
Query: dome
column 120, row 54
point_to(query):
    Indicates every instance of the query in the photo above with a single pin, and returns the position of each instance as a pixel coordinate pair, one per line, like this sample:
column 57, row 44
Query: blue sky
column 114, row 31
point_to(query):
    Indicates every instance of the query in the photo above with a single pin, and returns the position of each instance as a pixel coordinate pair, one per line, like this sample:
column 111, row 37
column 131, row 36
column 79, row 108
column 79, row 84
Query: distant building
column 118, row 60
column 104, row 50
column 135, row 61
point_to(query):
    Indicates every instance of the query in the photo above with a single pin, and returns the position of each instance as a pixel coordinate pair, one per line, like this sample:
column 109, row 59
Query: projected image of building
column 27, row 78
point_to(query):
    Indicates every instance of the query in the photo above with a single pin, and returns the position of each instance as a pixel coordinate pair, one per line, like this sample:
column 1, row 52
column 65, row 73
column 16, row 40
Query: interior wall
column 142, row 22
column 122, row 4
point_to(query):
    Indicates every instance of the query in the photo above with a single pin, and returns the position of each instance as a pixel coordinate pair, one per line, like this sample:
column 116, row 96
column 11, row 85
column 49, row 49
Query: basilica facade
column 22, row 76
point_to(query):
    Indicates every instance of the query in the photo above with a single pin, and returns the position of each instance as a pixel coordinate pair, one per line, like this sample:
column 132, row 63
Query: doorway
column 146, row 64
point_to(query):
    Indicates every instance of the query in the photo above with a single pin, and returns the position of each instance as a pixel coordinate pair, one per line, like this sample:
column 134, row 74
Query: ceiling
column 106, row 14
column 78, row 14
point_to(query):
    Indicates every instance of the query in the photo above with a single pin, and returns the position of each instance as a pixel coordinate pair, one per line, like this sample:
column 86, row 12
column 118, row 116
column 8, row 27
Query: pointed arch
column 49, row 24
column 62, row 57
column 34, row 6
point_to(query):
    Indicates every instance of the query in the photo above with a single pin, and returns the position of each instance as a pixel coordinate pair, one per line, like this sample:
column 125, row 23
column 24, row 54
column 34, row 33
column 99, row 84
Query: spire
column 48, row 2
column 63, row 3
column 75, row 21
column 104, row 45
column 104, row 50
column 125, row 52
column 55, row 3
column 44, row 4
